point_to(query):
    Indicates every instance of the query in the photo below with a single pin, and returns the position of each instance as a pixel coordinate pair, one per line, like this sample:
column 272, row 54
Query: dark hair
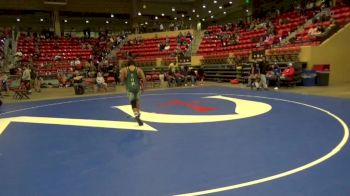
column 131, row 62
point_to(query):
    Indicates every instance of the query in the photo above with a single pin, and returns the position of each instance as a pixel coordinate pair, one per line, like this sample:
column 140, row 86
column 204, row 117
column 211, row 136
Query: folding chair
column 20, row 92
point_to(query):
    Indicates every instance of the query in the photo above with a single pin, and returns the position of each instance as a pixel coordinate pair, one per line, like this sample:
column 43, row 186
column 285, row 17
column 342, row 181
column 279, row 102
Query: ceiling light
column 197, row 15
column 203, row 19
column 146, row 22
column 247, row 10
column 112, row 15
column 162, row 14
column 41, row 19
column 87, row 21
column 126, row 22
column 173, row 9
column 193, row 10
column 65, row 20
column 18, row 19
column 139, row 13
column 190, row 18
column 224, row 12
column 204, row 6
column 144, row 6
column 156, row 17
column 209, row 11
column 211, row 16
column 107, row 22
column 175, row 18
column 230, row 2
column 220, row 7
column 183, row 15
column 215, row 1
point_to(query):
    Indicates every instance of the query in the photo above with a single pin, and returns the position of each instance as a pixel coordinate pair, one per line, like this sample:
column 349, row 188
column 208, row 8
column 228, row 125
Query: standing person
column 200, row 74
column 25, row 79
column 36, row 80
column 132, row 75
column 263, row 66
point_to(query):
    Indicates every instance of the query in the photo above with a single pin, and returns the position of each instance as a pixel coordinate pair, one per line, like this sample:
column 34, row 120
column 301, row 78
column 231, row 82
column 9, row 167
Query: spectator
column 191, row 76
column 263, row 66
column 172, row 66
column 274, row 75
column 36, row 80
column 200, row 74
column 253, row 79
column 179, row 77
column 4, row 82
column 115, row 71
column 289, row 72
column 100, row 82
column 170, row 77
column 25, row 79
column 62, row 79
column 78, row 83
column 161, row 78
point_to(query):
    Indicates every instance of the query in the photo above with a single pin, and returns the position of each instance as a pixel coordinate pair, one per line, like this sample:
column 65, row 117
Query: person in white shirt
column 100, row 81
column 77, row 62
column 26, row 78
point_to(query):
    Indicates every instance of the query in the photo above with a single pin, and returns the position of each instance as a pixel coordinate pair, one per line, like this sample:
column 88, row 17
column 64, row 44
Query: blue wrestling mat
column 211, row 140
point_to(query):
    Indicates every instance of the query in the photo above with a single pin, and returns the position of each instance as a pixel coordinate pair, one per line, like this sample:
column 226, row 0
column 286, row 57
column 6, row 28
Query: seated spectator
column 100, row 82
column 314, row 32
column 274, row 74
column 172, row 66
column 88, row 67
column 179, row 77
column 4, row 82
column 190, row 77
column 253, row 78
column 57, row 58
column 77, row 63
column 170, row 77
column 167, row 47
column 320, row 29
column 289, row 72
column 161, row 46
column 78, row 83
column 62, row 79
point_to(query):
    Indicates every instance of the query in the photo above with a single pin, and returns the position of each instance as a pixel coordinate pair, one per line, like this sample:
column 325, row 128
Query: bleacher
column 293, row 21
column 58, row 53
column 339, row 17
column 147, row 51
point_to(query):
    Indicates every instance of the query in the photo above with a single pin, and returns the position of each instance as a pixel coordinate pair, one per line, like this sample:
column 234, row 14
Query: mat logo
column 244, row 109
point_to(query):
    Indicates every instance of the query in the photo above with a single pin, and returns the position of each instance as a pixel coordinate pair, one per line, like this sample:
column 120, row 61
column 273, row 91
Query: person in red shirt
column 289, row 72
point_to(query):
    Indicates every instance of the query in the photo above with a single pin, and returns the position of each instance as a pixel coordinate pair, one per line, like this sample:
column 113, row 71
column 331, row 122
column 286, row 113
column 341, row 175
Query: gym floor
column 214, row 140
